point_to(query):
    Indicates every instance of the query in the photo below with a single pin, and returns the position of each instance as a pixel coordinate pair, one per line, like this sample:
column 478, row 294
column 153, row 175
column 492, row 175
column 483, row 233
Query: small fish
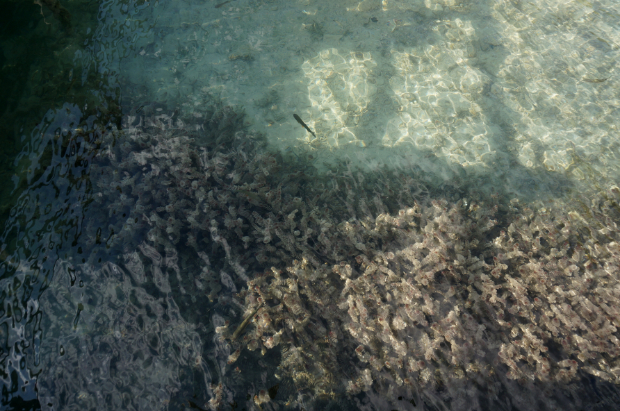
column 244, row 324
column 300, row 121
column 594, row 80
column 221, row 4
column 140, row 109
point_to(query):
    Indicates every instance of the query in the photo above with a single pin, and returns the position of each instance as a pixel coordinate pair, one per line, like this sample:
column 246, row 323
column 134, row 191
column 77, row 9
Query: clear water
column 109, row 107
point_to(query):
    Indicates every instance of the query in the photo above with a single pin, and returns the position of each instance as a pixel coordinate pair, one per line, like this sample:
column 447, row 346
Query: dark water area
column 58, row 86
column 156, row 256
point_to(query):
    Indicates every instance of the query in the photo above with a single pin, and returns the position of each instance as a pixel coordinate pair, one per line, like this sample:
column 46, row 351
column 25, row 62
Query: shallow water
column 141, row 208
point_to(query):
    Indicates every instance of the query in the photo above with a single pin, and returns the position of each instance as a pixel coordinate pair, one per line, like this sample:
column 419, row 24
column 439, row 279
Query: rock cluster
column 367, row 284
column 446, row 302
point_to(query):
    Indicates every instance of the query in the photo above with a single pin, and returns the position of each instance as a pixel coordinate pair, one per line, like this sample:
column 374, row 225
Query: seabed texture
column 245, row 277
column 442, row 235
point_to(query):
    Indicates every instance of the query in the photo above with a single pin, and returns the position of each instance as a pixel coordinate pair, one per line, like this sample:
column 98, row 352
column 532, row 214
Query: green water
column 110, row 110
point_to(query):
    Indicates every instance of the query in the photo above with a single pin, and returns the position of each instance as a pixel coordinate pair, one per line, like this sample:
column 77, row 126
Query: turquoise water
column 436, row 229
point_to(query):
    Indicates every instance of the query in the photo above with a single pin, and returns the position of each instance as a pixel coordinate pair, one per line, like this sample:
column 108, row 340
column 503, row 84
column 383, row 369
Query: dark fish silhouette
column 221, row 4
column 244, row 324
column 300, row 121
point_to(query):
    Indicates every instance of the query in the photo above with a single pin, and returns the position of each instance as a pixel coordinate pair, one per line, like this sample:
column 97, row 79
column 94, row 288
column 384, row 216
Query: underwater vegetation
column 364, row 290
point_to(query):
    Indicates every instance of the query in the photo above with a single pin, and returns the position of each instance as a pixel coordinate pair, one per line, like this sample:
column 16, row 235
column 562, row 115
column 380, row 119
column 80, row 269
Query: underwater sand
column 520, row 93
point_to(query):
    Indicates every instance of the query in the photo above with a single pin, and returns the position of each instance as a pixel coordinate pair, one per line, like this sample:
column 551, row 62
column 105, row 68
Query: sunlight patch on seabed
column 339, row 91
column 558, row 84
column 547, row 87
column 505, row 85
column 436, row 91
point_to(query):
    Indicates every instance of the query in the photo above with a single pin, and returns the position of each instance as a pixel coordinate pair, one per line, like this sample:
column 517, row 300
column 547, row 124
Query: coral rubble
column 370, row 286
column 444, row 306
